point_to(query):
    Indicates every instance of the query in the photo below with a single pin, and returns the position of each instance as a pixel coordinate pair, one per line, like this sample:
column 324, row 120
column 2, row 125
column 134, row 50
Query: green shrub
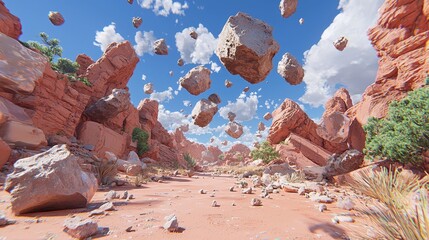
column 141, row 137
column 404, row 134
column 65, row 66
column 265, row 152
column 189, row 161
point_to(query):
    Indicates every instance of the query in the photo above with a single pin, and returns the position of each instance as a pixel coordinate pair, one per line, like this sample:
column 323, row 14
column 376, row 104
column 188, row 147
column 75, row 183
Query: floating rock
column 231, row 116
column 214, row 203
column 212, row 140
column 246, row 47
column 247, row 191
column 56, row 18
column 52, row 180
column 203, row 112
column 215, row 98
column 228, row 83
column 334, row 127
column 160, row 47
column 340, row 219
column 225, row 142
column 109, row 106
column 246, row 89
column 301, row 21
column 170, row 73
column 268, row 116
column 341, row 43
column 288, row 7
column 180, row 62
column 258, row 135
column 261, row 126
column 148, row 88
column 130, row 1
column 193, row 35
column 197, row 80
column 347, row 162
column 322, row 207
column 80, row 229
column 171, row 224
column 255, row 202
column 346, row 204
column 137, row 21
column 234, row 129
column 290, row 69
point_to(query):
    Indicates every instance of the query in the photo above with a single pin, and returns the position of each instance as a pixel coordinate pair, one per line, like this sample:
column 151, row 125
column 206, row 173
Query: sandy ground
column 285, row 216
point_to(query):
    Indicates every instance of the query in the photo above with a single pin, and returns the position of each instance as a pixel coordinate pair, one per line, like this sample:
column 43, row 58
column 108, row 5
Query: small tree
column 265, row 152
column 404, row 134
column 50, row 47
column 141, row 137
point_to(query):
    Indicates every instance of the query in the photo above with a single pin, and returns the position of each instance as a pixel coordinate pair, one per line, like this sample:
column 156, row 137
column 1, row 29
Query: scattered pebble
column 322, row 207
column 202, row 191
column 255, row 202
column 214, row 203
column 340, row 219
column 171, row 224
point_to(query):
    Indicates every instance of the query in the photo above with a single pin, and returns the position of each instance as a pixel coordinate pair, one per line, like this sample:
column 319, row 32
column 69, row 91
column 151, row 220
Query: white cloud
column 186, row 103
column 109, row 35
column 164, row 7
column 176, row 92
column 214, row 67
column 355, row 68
column 166, row 95
column 244, row 107
column 144, row 77
column 197, row 51
column 144, row 42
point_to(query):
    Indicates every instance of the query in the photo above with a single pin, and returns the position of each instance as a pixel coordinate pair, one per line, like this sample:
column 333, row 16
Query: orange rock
column 237, row 153
column 22, row 135
column 5, row 152
column 9, row 24
column 311, row 151
column 148, row 113
column 84, row 62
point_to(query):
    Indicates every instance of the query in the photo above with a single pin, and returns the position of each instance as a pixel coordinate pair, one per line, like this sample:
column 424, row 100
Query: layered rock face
column 401, row 41
column 238, row 153
column 9, row 23
column 246, row 47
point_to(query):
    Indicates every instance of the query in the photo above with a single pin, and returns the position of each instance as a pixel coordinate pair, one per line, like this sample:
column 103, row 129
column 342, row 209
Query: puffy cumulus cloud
column 166, row 95
column 244, row 107
column 196, row 51
column 186, row 103
column 355, row 68
column 164, row 7
column 171, row 120
column 144, row 42
column 109, row 35
column 214, row 67
column 144, row 77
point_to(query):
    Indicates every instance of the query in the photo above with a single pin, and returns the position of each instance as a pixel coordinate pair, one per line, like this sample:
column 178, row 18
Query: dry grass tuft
column 296, row 177
column 255, row 170
column 107, row 171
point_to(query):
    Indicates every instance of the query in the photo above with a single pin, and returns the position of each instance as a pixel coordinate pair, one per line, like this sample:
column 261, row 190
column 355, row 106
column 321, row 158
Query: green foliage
column 404, row 134
column 65, row 66
column 265, row 152
column 189, row 161
column 73, row 78
column 221, row 157
column 141, row 137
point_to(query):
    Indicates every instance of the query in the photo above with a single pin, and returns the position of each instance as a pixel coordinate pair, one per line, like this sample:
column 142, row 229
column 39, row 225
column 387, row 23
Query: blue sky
column 326, row 68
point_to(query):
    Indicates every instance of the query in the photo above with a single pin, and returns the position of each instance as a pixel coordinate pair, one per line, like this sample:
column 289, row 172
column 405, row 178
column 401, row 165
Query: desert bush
column 404, row 134
column 107, row 171
column 141, row 137
column 397, row 215
column 265, row 152
column 190, row 162
column 65, row 65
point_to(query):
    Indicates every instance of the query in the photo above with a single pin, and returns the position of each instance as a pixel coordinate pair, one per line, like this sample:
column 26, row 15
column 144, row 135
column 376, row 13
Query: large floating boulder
column 228, row 83
column 109, row 106
column 56, row 18
column 197, row 80
column 231, row 116
column 137, row 21
column 215, row 98
column 268, row 116
column 148, row 88
column 246, row 47
column 290, row 69
column 288, row 7
column 261, row 126
column 52, row 180
column 203, row 112
column 160, row 47
column 234, row 129
column 341, row 43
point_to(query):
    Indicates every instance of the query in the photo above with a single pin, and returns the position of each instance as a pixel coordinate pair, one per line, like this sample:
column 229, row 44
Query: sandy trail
column 285, row 216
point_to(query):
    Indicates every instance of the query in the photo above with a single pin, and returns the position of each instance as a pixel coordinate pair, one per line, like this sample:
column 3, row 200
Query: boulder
column 109, row 106
column 290, row 69
column 231, row 116
column 282, row 169
column 22, row 135
column 228, row 83
column 341, row 43
column 347, row 162
column 203, row 112
column 51, row 180
column 268, row 116
column 80, row 229
column 301, row 21
column 197, row 80
column 137, row 21
column 215, row 98
column 9, row 23
column 310, row 150
column 5, row 151
column 130, row 1
column 56, row 18
column 102, row 138
column 10, row 111
column 160, row 47
column 334, row 127
column 225, row 142
column 84, row 62
column 340, row 102
column 288, row 7
column 180, row 62
column 21, row 67
column 261, row 126
column 234, row 129
column 171, row 224
column 246, row 89
column 193, row 35
column 246, row 47
column 148, row 88
column 148, row 113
